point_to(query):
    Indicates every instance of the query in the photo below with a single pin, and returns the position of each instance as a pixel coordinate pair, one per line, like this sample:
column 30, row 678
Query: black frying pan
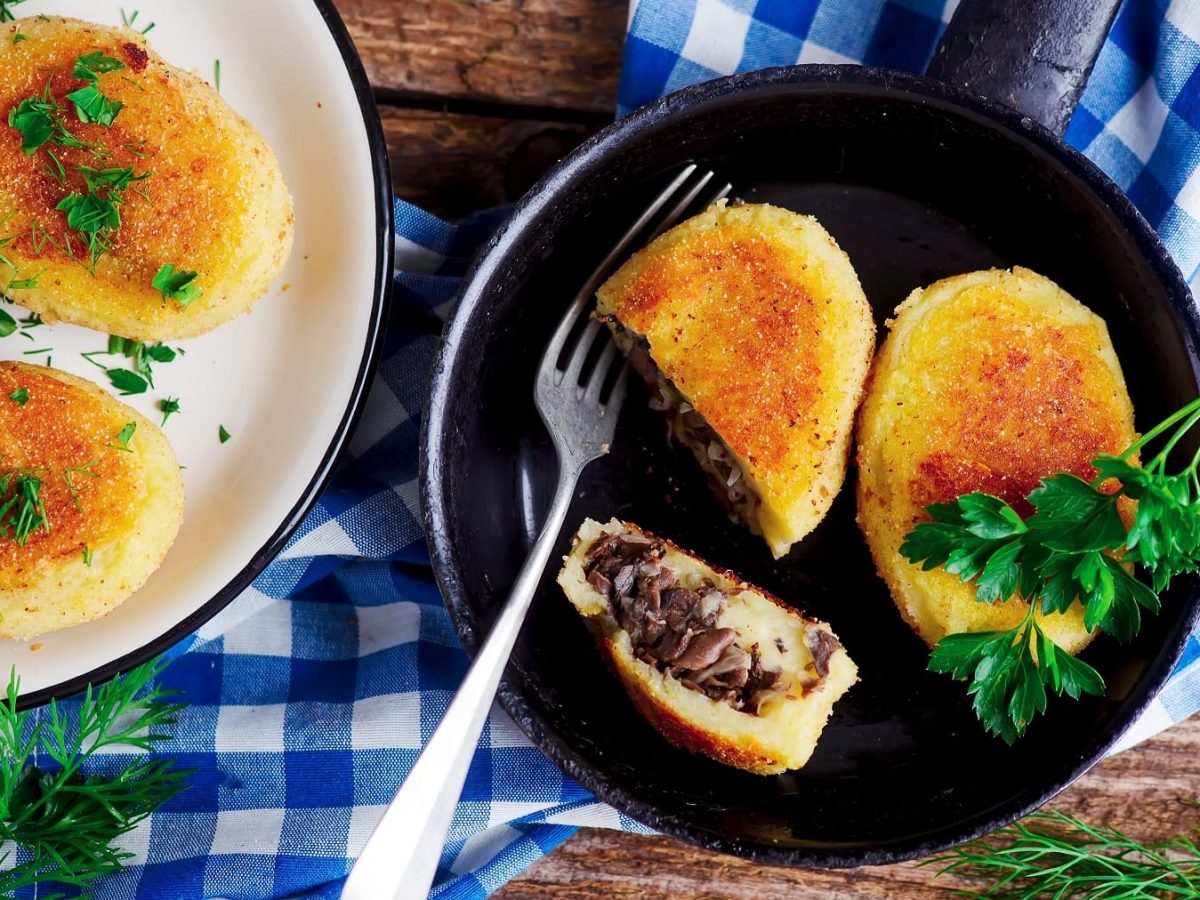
column 917, row 178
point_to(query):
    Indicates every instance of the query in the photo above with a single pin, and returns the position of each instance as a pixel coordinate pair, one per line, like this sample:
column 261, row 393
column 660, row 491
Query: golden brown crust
column 214, row 201
column 758, row 318
column 122, row 506
column 987, row 382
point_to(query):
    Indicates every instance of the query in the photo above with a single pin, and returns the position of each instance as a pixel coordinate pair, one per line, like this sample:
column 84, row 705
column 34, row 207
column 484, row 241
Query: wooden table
column 478, row 98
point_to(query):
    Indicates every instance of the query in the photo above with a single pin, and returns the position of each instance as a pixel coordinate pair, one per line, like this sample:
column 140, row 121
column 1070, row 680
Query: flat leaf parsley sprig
column 1075, row 546
column 64, row 820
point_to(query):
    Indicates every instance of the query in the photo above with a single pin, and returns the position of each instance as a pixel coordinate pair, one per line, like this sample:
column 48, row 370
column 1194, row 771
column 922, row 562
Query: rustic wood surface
column 478, row 98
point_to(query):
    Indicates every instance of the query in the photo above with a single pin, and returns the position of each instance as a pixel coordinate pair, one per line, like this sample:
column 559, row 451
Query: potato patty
column 988, row 382
column 754, row 318
column 718, row 666
column 213, row 200
column 110, row 513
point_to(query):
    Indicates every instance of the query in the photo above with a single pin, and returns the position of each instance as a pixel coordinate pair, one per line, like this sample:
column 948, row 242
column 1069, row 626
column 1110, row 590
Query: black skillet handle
column 1034, row 55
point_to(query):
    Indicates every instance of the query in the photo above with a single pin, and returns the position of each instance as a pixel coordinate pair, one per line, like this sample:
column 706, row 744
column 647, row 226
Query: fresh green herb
column 223, row 435
column 141, row 355
column 127, row 382
column 6, row 9
column 178, row 286
column 17, row 36
column 93, row 106
column 66, row 817
column 125, row 435
column 87, row 555
column 55, row 170
column 23, row 284
column 22, row 512
column 217, row 75
column 69, row 478
column 7, row 324
column 38, row 351
column 20, row 396
column 37, row 121
column 128, row 21
column 92, row 65
column 169, row 407
column 1074, row 548
column 114, row 179
column 1049, row 854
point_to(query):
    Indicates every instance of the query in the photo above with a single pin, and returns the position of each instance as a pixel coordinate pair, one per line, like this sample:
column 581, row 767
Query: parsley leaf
column 1075, row 548
column 223, row 435
column 127, row 382
column 178, row 286
column 92, row 65
column 36, row 120
column 169, row 406
column 124, row 436
column 93, row 106
column 90, row 213
column 20, row 396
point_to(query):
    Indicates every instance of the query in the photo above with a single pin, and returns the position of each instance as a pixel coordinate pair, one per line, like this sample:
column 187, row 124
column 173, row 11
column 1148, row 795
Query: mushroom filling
column 687, row 424
column 675, row 628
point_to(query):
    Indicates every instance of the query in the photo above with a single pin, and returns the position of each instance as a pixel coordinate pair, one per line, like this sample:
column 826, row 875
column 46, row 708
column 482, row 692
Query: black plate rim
column 489, row 259
column 380, row 307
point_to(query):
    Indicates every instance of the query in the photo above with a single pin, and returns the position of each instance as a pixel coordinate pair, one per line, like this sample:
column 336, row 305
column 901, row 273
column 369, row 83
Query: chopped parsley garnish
column 223, row 435
column 124, row 435
column 7, row 324
column 90, row 214
column 178, row 286
column 217, row 75
column 87, row 555
column 169, row 406
column 37, row 121
column 92, row 65
column 113, row 179
column 20, row 396
column 127, row 382
column 23, row 512
column 93, row 106
column 140, row 353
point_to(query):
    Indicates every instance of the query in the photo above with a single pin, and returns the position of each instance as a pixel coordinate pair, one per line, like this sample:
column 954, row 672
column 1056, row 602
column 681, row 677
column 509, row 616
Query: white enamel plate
column 287, row 380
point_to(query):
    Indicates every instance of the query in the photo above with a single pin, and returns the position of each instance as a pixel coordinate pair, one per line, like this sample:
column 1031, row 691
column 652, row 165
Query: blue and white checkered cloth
column 310, row 696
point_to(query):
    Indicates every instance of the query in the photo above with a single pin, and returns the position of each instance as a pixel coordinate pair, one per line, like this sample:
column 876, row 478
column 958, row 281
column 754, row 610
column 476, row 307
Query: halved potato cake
column 91, row 499
column 718, row 666
column 140, row 166
column 749, row 324
column 988, row 382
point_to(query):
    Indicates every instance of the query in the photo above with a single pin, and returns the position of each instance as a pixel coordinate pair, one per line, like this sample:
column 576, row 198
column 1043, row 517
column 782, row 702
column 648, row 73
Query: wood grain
column 1137, row 791
column 563, row 54
column 453, row 164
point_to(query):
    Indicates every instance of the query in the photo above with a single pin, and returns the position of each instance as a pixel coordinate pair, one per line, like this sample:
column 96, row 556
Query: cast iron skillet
column 917, row 178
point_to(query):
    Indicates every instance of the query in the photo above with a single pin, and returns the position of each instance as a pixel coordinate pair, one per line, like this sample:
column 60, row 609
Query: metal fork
column 401, row 856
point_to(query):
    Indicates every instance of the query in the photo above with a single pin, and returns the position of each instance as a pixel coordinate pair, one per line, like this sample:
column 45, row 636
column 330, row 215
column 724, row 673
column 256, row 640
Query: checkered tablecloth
column 310, row 696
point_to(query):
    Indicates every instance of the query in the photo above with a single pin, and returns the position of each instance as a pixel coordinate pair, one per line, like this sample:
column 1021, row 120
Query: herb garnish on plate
column 1075, row 547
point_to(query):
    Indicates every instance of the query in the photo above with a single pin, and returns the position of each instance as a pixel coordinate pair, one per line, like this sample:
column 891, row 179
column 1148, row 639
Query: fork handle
column 401, row 856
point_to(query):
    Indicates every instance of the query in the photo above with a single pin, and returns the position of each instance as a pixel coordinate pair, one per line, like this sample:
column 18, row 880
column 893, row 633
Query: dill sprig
column 6, row 10
column 22, row 511
column 63, row 815
column 1051, row 854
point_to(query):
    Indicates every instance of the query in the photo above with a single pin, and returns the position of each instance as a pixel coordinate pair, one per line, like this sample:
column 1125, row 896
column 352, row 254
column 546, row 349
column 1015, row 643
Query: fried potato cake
column 988, row 382
column 750, row 326
column 212, row 200
column 88, row 506
column 718, row 666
